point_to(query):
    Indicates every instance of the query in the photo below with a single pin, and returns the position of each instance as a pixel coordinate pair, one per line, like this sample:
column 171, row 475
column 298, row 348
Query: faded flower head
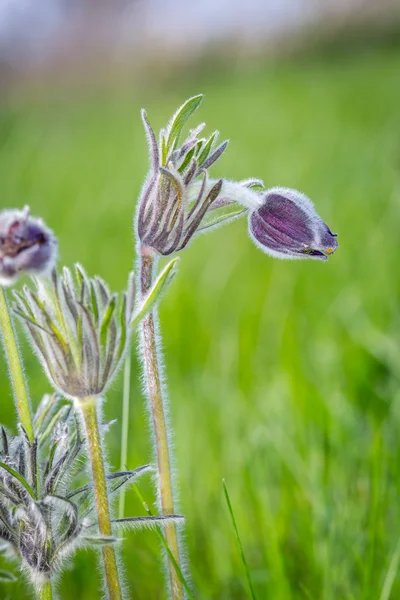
column 44, row 516
column 177, row 194
column 286, row 225
column 26, row 245
column 78, row 328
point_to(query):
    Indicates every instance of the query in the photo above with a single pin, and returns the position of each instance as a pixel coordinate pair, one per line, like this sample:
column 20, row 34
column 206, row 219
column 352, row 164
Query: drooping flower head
column 286, row 225
column 180, row 200
column 26, row 246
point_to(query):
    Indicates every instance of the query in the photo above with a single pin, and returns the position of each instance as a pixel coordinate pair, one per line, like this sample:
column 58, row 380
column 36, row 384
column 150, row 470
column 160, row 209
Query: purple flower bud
column 26, row 245
column 286, row 225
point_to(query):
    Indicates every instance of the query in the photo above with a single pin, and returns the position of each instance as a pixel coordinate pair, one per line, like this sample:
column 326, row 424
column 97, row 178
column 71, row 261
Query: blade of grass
column 165, row 545
column 391, row 574
column 246, row 568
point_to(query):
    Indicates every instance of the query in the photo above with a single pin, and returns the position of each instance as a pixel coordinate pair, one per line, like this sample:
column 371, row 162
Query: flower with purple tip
column 286, row 225
column 26, row 245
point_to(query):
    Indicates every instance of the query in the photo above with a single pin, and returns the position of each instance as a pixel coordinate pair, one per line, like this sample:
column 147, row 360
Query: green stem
column 125, row 429
column 45, row 591
column 88, row 408
column 15, row 366
column 158, row 407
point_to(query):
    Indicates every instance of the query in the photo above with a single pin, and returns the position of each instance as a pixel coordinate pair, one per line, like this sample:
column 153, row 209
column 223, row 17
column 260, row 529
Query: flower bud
column 286, row 225
column 177, row 196
column 79, row 329
column 26, row 245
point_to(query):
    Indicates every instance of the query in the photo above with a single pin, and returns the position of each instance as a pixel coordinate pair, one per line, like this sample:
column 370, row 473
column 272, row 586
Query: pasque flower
column 180, row 200
column 286, row 225
column 26, row 245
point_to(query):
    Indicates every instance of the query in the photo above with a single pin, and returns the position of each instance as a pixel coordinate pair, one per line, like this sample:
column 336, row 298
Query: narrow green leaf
column 20, row 296
column 164, row 149
column 123, row 327
column 100, row 540
column 187, row 160
column 181, row 117
column 19, row 477
column 207, row 148
column 47, row 403
column 150, row 521
column 60, row 415
column 159, row 287
column 222, row 219
column 49, row 462
column 246, row 568
column 210, row 160
column 32, row 321
column 79, row 274
column 7, row 577
column 107, row 320
column 95, row 306
column 58, row 336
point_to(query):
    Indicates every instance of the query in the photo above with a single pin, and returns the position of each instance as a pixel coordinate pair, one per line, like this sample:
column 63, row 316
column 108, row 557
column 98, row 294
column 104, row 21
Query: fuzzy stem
column 15, row 367
column 158, row 408
column 45, row 591
column 125, row 429
column 88, row 408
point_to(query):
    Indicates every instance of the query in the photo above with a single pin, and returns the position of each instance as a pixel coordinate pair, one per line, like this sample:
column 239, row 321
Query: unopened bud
column 26, row 246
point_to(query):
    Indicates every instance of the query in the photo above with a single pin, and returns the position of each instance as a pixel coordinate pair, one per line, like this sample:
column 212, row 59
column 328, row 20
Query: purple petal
column 287, row 226
column 26, row 245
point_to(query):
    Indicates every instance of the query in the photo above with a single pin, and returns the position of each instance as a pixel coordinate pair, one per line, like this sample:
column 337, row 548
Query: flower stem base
column 15, row 367
column 88, row 409
column 159, row 421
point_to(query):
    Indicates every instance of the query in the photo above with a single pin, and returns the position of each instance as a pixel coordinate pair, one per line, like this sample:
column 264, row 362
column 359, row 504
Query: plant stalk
column 15, row 367
column 45, row 591
column 158, row 408
column 88, row 408
column 125, row 429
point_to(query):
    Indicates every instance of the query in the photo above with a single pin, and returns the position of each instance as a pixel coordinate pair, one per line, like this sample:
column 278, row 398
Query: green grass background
column 283, row 376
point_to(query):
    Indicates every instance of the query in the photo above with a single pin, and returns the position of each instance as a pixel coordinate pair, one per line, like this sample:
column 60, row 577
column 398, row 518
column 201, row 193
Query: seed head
column 26, row 245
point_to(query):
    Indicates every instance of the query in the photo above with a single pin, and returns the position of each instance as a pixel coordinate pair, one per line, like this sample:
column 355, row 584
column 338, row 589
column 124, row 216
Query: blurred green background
column 283, row 376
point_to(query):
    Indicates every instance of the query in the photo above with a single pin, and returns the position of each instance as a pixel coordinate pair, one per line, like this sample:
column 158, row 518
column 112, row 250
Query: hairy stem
column 15, row 367
column 88, row 408
column 45, row 591
column 125, row 429
column 158, row 408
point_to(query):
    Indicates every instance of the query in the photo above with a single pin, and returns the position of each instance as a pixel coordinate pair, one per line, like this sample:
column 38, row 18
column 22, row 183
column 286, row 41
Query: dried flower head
column 177, row 194
column 286, row 225
column 79, row 330
column 26, row 245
